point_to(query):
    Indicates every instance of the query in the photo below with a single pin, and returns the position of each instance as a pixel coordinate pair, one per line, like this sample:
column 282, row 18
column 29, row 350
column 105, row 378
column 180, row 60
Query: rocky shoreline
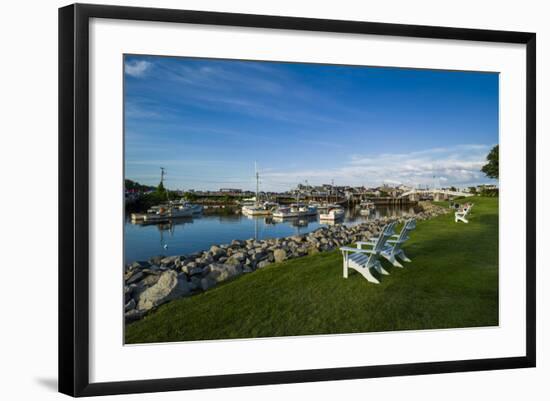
column 148, row 284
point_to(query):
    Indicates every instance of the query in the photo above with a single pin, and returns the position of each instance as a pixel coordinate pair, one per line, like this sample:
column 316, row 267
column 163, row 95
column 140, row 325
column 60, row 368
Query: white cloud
column 137, row 68
column 457, row 166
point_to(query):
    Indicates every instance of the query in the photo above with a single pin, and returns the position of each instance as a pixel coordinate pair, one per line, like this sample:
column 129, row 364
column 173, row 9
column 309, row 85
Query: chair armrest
column 369, row 242
column 350, row 249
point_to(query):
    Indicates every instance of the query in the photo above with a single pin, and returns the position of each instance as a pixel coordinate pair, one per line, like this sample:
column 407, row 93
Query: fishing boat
column 333, row 214
column 195, row 208
column 264, row 209
column 163, row 213
column 366, row 208
column 295, row 210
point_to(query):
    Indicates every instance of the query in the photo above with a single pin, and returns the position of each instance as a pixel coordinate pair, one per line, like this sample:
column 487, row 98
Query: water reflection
column 188, row 235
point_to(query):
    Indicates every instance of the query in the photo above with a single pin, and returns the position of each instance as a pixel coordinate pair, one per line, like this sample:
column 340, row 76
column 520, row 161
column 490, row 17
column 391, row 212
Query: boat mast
column 257, row 184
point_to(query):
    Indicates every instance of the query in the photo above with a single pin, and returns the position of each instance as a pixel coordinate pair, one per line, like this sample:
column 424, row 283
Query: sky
column 208, row 122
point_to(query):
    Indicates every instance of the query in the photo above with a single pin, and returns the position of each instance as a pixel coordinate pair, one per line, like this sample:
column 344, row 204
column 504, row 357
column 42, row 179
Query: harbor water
column 188, row 235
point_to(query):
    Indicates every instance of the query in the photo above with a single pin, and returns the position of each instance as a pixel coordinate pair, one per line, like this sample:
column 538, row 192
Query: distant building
column 231, row 190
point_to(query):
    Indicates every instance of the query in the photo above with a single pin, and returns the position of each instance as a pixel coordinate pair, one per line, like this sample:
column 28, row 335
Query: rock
column 167, row 288
column 193, row 285
column 150, row 279
column 207, row 283
column 169, row 260
column 195, row 281
column 140, row 265
column 312, row 250
column 155, row 260
column 258, row 256
column 233, row 261
column 133, row 315
column 206, row 259
column 263, row 264
column 217, row 252
column 130, row 305
column 220, row 272
column 195, row 271
column 236, row 243
column 279, row 255
column 135, row 278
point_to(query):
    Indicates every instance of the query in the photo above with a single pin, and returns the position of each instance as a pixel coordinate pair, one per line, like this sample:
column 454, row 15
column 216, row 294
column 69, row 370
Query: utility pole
column 162, row 174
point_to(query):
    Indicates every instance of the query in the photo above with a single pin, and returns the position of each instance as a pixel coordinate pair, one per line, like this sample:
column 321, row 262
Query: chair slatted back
column 409, row 226
column 386, row 233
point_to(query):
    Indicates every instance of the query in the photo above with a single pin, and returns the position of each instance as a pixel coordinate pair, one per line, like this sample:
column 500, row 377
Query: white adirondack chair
column 461, row 214
column 393, row 247
column 362, row 260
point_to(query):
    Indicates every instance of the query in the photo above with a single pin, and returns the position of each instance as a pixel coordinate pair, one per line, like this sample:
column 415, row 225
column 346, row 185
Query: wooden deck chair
column 362, row 260
column 393, row 247
column 461, row 214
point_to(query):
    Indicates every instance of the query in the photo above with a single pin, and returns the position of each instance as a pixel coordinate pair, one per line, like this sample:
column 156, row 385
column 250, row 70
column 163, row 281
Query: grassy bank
column 452, row 282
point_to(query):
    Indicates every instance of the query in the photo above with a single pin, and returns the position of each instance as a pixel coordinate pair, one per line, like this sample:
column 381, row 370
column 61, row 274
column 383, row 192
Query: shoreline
column 149, row 284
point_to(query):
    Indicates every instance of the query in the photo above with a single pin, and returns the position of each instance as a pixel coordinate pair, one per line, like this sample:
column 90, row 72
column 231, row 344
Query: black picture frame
column 74, row 199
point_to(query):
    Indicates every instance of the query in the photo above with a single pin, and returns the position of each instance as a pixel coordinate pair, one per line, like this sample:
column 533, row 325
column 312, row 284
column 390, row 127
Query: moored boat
column 333, row 214
column 367, row 207
column 295, row 210
column 264, row 209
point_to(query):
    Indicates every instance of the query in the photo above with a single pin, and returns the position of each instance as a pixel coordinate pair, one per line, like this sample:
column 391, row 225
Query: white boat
column 165, row 212
column 195, row 208
column 264, row 209
column 367, row 207
column 256, row 208
column 295, row 210
column 333, row 214
column 180, row 211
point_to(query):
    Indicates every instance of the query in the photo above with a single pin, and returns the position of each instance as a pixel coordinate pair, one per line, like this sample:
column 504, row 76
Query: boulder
column 233, row 261
column 140, row 265
column 150, row 279
column 207, row 282
column 168, row 287
column 222, row 272
column 131, row 304
column 133, row 315
column 263, row 264
column 169, row 260
column 155, row 260
column 135, row 277
column 217, row 252
column 279, row 255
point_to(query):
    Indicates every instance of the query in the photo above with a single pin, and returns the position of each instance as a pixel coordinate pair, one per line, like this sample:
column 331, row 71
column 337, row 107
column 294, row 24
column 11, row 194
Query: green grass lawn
column 452, row 282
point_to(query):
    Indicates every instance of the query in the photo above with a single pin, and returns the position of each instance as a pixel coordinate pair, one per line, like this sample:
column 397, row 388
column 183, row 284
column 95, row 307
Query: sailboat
column 258, row 208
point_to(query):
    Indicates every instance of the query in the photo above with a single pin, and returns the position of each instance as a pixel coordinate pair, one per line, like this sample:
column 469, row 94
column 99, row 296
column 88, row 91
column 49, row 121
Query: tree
column 160, row 188
column 491, row 168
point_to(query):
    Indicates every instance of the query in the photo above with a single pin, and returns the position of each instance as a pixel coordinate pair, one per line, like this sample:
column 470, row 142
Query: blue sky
column 207, row 121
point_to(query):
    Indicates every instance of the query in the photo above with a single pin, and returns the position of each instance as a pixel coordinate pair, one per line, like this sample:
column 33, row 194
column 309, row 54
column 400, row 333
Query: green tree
column 491, row 168
column 160, row 188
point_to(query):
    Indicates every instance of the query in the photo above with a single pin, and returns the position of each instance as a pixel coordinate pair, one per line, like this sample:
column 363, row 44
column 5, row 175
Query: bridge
column 437, row 194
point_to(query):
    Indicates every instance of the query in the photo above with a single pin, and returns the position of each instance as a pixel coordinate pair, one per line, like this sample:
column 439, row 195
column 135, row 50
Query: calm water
column 186, row 236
